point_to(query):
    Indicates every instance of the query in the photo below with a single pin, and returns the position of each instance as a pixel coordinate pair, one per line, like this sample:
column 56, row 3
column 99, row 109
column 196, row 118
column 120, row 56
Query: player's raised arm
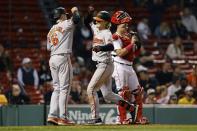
column 76, row 16
column 89, row 17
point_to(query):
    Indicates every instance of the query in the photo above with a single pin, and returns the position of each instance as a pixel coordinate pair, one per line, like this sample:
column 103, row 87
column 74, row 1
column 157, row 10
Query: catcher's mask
column 120, row 17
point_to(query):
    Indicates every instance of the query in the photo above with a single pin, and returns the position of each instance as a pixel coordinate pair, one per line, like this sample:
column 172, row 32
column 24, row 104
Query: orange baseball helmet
column 120, row 17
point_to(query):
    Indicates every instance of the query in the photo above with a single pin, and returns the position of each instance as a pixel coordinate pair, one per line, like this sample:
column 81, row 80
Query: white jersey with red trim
column 101, row 38
column 124, row 73
column 60, row 37
column 118, row 44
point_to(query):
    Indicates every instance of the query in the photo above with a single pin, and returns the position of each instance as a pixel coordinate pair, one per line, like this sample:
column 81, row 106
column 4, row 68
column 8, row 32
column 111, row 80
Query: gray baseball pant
column 61, row 71
column 101, row 79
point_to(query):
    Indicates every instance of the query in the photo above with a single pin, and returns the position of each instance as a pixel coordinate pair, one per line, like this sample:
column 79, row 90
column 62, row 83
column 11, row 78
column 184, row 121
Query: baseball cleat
column 124, row 122
column 52, row 120
column 142, row 121
column 65, row 122
column 96, row 121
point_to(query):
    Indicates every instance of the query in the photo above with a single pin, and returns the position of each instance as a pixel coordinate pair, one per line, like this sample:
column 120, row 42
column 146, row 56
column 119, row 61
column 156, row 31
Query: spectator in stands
column 173, row 99
column 5, row 61
column 189, row 20
column 85, row 76
column 145, row 58
column 163, row 31
column 6, row 67
column 165, row 75
column 27, row 75
column 176, row 49
column 178, row 29
column 188, row 98
column 184, row 83
column 15, row 96
column 178, row 72
column 84, row 97
column 3, row 99
column 143, row 29
column 175, row 87
column 192, row 79
column 76, row 68
column 76, row 91
column 47, row 91
column 162, row 92
column 151, row 97
column 146, row 81
column 44, row 73
column 82, row 36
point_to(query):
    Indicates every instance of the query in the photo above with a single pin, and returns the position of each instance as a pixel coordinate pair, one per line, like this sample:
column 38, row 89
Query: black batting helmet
column 57, row 12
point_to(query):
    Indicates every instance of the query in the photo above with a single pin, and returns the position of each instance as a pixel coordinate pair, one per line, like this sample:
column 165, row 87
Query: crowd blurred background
column 166, row 67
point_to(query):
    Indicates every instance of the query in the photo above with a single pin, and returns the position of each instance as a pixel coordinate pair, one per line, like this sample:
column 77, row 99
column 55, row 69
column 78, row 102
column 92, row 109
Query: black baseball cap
column 103, row 16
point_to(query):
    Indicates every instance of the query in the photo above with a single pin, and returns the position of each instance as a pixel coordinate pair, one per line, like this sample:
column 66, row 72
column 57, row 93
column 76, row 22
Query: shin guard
column 122, row 113
column 139, row 101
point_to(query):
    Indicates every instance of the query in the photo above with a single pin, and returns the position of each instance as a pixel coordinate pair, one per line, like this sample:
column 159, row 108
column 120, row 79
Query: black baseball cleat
column 134, row 113
column 96, row 121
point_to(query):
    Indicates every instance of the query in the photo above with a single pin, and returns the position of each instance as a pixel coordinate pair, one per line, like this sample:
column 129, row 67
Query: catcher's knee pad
column 138, row 94
column 125, row 93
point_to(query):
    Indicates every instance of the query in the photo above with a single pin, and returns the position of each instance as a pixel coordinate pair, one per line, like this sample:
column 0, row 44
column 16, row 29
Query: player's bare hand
column 96, row 48
column 74, row 9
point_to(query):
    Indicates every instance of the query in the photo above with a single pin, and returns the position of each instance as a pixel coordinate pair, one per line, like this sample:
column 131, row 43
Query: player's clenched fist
column 74, row 9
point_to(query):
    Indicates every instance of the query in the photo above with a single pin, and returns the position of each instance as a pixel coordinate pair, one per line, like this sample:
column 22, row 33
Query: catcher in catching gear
column 126, row 47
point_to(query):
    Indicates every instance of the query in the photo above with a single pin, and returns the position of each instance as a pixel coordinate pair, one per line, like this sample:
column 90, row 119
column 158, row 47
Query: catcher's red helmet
column 120, row 17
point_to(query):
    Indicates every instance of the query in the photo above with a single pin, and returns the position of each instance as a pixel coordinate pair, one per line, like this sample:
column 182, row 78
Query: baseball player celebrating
column 59, row 42
column 126, row 46
column 101, row 79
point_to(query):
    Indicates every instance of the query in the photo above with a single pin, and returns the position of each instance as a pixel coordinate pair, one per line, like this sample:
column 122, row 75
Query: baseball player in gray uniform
column 59, row 42
column 101, row 79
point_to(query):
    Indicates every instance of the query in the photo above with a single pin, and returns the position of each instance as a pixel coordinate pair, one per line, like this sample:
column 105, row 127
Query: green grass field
column 103, row 128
